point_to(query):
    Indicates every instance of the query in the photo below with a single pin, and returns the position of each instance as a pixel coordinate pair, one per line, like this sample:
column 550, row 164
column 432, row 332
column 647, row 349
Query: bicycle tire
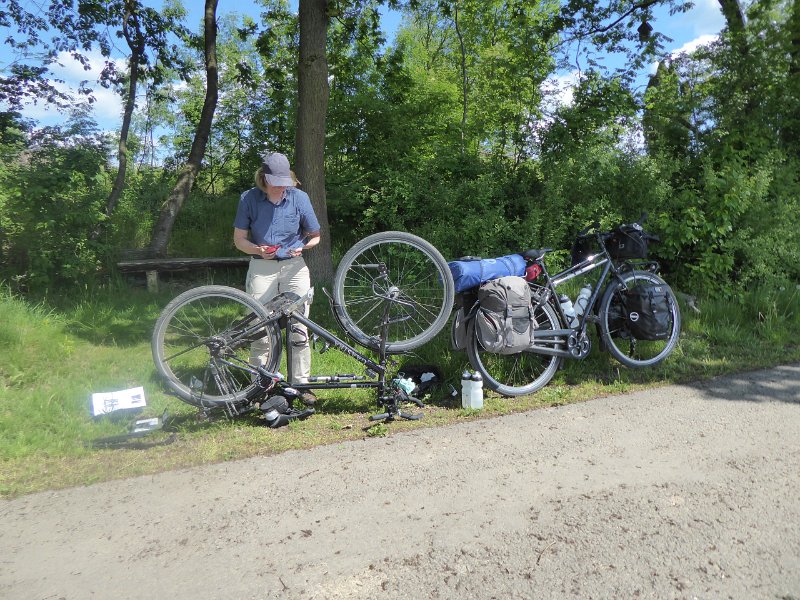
column 516, row 374
column 633, row 353
column 417, row 282
column 200, row 328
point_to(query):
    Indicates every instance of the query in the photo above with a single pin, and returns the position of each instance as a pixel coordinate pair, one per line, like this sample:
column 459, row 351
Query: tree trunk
column 133, row 35
column 734, row 17
column 464, row 87
column 188, row 173
column 312, row 109
column 791, row 133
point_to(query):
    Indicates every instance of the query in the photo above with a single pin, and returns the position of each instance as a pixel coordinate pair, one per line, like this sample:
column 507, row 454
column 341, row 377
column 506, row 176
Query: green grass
column 56, row 353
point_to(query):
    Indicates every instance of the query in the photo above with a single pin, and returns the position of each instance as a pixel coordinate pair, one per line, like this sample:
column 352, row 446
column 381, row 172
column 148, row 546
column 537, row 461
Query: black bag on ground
column 647, row 312
column 504, row 322
column 278, row 412
column 426, row 378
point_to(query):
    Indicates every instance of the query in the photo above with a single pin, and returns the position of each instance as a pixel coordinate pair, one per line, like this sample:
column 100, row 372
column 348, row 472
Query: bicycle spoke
column 199, row 337
column 404, row 271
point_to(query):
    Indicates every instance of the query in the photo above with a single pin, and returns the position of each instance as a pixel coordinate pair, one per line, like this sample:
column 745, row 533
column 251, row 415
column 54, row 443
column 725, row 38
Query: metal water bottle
column 582, row 301
column 569, row 311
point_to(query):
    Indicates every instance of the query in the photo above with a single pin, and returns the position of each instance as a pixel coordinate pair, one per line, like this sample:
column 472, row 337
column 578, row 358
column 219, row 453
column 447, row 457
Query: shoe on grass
column 308, row 398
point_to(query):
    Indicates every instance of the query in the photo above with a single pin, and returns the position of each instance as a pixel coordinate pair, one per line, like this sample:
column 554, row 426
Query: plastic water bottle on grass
column 476, row 392
column 466, row 389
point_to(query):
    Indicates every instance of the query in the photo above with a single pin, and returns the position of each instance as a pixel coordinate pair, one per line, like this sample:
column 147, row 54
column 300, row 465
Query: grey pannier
column 504, row 322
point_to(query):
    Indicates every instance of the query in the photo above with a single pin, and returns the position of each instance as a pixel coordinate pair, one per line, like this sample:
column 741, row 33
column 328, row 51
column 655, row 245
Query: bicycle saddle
column 535, row 254
column 287, row 302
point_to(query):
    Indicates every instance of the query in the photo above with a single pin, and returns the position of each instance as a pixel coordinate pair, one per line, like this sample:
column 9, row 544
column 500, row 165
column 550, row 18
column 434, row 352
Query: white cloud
column 559, row 91
column 704, row 18
column 688, row 48
column 694, row 44
column 107, row 108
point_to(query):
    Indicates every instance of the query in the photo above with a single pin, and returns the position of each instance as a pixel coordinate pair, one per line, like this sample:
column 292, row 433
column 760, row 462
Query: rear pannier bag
column 458, row 330
column 647, row 312
column 471, row 273
column 465, row 310
column 504, row 322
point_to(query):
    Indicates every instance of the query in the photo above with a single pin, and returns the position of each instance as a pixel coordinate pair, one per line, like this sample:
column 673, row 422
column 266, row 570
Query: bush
column 54, row 196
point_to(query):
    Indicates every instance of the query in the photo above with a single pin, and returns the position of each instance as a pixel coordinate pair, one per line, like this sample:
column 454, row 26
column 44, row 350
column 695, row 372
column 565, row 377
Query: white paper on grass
column 106, row 402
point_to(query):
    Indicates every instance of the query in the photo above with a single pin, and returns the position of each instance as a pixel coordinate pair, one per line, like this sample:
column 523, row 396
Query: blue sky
column 701, row 24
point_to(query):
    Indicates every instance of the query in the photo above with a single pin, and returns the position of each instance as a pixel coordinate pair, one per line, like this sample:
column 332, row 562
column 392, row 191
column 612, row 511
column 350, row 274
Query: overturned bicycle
column 394, row 292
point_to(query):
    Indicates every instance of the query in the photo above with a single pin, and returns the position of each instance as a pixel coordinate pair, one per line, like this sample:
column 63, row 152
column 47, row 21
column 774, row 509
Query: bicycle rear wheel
column 615, row 335
column 516, row 374
column 395, row 276
column 201, row 345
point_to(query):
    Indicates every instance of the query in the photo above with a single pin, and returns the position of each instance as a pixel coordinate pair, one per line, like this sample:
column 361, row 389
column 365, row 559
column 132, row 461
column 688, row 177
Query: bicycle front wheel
column 393, row 279
column 516, row 374
column 201, row 345
column 628, row 350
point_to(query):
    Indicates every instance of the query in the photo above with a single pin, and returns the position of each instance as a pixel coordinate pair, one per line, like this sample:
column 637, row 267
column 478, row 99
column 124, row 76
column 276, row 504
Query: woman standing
column 275, row 223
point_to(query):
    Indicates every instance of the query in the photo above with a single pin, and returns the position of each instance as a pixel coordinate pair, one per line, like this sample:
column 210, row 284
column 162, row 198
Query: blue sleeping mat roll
column 471, row 273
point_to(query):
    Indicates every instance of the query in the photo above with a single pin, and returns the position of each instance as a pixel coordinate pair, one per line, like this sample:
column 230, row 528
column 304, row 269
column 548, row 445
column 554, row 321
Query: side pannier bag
column 458, row 330
column 504, row 322
column 647, row 312
column 471, row 273
column 465, row 304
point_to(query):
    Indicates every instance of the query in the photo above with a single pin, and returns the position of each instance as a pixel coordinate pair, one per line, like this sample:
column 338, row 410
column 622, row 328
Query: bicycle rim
column 201, row 345
column 629, row 351
column 398, row 276
column 515, row 374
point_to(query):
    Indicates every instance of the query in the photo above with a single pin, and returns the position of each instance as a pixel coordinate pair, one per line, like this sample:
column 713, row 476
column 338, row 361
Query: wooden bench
column 153, row 266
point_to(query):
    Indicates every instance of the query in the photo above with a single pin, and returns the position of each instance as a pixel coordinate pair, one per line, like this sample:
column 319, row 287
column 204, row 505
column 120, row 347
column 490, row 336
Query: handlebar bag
column 628, row 241
column 647, row 312
column 471, row 273
column 504, row 322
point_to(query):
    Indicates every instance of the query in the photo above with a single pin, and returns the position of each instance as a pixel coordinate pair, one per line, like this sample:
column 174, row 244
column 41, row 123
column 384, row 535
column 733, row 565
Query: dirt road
column 680, row 492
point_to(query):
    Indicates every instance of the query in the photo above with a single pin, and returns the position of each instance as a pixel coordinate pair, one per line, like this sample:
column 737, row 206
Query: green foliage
column 730, row 217
column 446, row 133
column 205, row 226
column 53, row 197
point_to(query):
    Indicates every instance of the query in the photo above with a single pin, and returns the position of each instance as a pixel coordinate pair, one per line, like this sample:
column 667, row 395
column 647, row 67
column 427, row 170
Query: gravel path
column 679, row 492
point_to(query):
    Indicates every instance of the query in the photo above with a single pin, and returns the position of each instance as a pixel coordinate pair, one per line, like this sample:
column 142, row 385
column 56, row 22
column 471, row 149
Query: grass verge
column 55, row 354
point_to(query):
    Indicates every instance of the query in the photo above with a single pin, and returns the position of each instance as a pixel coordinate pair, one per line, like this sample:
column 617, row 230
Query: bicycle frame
column 575, row 339
column 334, row 381
column 290, row 314
column 590, row 264
column 392, row 292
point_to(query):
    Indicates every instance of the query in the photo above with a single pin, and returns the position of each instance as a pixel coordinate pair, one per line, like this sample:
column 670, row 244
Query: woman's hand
column 268, row 252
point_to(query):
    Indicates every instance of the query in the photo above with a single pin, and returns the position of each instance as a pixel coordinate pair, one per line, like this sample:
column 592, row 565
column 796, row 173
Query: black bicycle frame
column 546, row 341
column 334, row 381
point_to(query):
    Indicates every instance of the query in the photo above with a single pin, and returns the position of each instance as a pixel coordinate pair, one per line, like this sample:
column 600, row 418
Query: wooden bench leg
column 152, row 281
